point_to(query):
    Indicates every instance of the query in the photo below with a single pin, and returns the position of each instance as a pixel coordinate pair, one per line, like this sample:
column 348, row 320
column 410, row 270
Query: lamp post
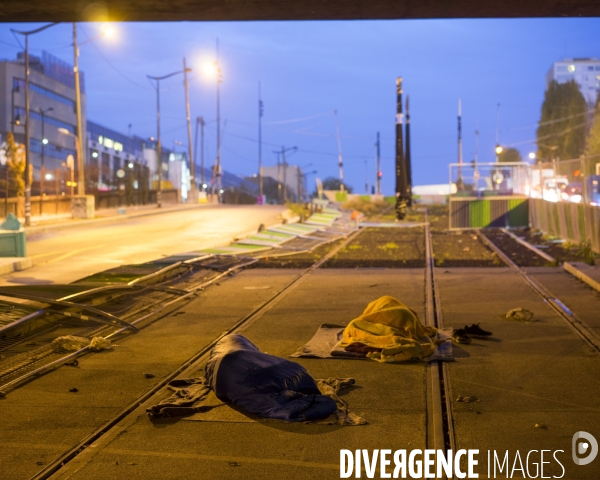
column 27, row 124
column 214, row 69
column 80, row 160
column 44, row 142
column 158, row 143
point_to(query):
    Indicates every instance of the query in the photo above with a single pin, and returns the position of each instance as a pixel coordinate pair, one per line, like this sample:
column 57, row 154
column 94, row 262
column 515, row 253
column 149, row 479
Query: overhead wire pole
column 80, row 162
column 407, row 156
column 460, row 156
column 194, row 192
column 340, row 159
column 158, row 141
column 260, row 115
column 379, row 173
column 199, row 121
column 218, row 166
column 28, row 123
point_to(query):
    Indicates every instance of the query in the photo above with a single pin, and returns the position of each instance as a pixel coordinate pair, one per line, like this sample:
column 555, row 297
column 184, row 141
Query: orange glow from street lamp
column 498, row 149
column 108, row 30
column 210, row 69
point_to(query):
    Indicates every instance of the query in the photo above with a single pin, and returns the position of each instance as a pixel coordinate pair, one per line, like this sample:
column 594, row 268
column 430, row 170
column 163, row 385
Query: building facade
column 585, row 72
column 290, row 180
column 52, row 106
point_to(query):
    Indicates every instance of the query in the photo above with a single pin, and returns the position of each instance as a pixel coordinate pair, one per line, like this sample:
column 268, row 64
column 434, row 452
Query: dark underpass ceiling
column 177, row 10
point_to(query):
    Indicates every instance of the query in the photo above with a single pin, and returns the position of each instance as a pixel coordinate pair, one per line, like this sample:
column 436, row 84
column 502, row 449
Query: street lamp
column 44, row 142
column 158, row 144
column 214, row 70
column 107, row 31
column 27, row 124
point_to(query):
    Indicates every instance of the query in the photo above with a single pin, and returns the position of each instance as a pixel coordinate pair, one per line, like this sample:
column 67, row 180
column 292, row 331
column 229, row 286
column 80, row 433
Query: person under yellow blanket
column 389, row 331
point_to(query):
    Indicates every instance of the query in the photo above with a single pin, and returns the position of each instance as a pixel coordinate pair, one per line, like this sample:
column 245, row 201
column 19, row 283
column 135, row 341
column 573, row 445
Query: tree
column 562, row 128
column 592, row 149
column 15, row 160
column 332, row 183
column 510, row 155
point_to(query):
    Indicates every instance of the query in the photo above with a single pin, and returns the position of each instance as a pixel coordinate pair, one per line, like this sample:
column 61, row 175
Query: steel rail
column 440, row 429
column 193, row 361
column 573, row 321
column 531, row 247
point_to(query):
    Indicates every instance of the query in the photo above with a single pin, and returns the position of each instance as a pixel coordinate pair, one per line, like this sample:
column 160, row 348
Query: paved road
column 65, row 255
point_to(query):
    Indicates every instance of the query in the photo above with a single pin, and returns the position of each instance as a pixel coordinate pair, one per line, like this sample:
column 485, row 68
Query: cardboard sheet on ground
column 325, row 344
column 208, row 408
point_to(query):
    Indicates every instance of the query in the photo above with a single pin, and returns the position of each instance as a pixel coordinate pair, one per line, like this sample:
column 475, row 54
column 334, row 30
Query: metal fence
column 577, row 223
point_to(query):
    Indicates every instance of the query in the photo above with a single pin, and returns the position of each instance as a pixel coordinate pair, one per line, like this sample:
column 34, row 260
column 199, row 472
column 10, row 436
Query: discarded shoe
column 476, row 331
column 460, row 336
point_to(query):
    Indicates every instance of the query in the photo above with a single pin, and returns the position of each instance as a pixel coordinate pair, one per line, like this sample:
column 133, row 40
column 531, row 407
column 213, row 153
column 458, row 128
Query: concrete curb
column 573, row 270
column 14, row 264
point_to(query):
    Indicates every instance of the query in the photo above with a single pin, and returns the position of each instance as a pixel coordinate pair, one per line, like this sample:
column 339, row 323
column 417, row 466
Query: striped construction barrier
column 574, row 222
column 495, row 212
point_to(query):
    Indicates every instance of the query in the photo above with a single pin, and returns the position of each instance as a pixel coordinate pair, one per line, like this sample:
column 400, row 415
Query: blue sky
column 309, row 69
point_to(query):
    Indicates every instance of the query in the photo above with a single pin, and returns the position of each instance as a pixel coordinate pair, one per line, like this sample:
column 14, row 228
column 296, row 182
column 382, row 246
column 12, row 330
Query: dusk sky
column 309, row 69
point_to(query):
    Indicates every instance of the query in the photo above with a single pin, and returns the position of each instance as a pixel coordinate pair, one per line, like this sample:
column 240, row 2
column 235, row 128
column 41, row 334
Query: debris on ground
column 462, row 399
column 520, row 314
column 149, row 375
column 73, row 390
column 100, row 343
column 70, row 343
column 74, row 363
column 541, row 425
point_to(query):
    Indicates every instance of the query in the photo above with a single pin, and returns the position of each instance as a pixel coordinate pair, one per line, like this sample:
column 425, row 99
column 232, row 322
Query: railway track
column 581, row 328
column 62, row 466
column 440, row 433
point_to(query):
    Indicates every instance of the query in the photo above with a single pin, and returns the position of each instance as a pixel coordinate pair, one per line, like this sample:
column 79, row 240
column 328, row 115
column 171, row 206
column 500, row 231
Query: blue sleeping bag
column 269, row 386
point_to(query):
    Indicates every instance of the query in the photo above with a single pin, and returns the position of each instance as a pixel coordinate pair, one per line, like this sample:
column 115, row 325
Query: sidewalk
column 107, row 215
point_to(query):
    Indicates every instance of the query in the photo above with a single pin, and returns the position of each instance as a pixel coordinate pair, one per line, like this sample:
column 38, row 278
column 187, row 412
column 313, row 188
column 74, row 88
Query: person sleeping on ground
column 388, row 331
column 266, row 385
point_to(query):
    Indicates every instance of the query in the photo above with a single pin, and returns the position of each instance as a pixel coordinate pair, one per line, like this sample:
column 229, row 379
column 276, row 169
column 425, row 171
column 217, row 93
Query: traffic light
column 380, row 174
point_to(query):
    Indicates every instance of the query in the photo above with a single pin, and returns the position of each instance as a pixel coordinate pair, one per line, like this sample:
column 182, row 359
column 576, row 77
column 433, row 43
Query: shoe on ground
column 476, row 331
column 460, row 336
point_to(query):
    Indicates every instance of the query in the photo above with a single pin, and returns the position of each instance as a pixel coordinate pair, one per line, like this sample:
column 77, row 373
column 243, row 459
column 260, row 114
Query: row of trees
column 568, row 128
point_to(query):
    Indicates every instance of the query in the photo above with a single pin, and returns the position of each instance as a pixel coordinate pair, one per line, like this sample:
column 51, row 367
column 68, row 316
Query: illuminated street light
column 158, row 144
column 27, row 123
column 532, row 155
column 498, row 149
column 214, row 70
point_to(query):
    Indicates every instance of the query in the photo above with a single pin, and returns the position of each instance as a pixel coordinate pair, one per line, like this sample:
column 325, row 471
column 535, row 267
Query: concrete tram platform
column 535, row 383
column 527, row 374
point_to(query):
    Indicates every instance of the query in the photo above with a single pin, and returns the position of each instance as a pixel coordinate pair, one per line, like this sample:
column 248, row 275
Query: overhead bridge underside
column 219, row 10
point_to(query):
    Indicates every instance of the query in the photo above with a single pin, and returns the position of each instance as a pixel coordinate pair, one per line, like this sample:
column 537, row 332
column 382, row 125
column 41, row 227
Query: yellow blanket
column 390, row 325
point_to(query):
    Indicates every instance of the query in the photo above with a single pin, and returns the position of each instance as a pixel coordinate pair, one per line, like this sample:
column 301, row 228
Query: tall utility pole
column 28, row 166
column 407, row 156
column 340, row 160
column 44, row 141
column 497, row 132
column 193, row 195
column 80, row 162
column 200, row 121
column 401, row 174
column 158, row 142
column 460, row 156
column 218, row 164
column 379, row 173
column 260, row 115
